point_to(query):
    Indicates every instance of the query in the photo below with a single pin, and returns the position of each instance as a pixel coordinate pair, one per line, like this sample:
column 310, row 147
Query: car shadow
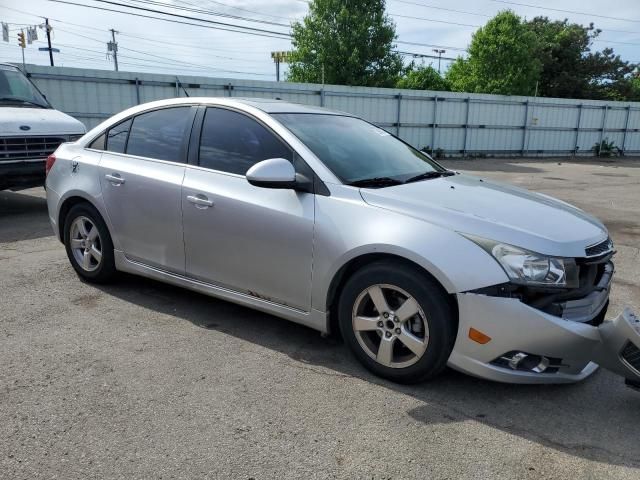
column 597, row 419
column 23, row 216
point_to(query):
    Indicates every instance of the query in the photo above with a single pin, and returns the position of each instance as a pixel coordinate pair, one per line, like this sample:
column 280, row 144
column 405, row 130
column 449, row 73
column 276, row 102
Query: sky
column 149, row 45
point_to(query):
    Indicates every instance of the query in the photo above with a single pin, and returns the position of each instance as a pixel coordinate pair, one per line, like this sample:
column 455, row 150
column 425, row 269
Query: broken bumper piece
column 527, row 345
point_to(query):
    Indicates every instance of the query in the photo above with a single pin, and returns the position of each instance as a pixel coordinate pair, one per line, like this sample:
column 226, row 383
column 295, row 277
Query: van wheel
column 88, row 244
column 397, row 321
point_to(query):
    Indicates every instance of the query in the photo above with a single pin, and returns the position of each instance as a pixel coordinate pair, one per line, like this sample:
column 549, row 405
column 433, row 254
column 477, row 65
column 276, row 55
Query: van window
column 17, row 90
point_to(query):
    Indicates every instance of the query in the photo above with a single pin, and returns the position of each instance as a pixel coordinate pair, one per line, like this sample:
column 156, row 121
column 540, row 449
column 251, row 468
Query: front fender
column 347, row 228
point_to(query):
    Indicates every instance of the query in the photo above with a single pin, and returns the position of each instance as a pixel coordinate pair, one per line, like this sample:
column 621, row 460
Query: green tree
column 352, row 41
column 503, row 59
column 571, row 70
column 422, row 78
column 634, row 87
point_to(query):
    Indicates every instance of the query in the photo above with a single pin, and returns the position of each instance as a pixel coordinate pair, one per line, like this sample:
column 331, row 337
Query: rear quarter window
column 117, row 137
column 99, row 143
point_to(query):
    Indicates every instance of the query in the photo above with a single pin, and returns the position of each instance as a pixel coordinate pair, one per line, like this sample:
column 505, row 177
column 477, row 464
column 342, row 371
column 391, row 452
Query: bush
column 438, row 153
column 606, row 148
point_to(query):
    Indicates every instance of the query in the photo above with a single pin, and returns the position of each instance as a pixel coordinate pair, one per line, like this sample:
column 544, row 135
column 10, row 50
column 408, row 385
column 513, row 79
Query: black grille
column 631, row 354
column 25, row 148
column 599, row 249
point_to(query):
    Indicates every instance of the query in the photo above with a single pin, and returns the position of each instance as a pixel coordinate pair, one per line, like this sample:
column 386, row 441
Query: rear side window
column 117, row 137
column 232, row 142
column 160, row 134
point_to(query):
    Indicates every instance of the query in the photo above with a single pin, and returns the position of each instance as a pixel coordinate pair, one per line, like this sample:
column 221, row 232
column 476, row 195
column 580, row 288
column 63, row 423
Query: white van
column 30, row 130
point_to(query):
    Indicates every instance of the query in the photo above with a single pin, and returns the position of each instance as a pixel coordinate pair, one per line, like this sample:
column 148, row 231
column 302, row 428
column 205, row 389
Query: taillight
column 51, row 159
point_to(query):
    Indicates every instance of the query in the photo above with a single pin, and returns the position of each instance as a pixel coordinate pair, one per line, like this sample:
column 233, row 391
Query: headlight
column 526, row 267
column 73, row 138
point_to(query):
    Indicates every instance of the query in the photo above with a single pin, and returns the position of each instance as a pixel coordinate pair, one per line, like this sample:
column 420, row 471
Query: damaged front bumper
column 523, row 344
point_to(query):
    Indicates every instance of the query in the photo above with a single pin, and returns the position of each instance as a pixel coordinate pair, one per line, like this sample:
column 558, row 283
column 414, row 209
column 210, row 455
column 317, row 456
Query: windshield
column 17, row 90
column 356, row 151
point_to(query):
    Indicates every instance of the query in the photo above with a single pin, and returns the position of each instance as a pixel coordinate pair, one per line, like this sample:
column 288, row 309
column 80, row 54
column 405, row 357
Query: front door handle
column 114, row 178
column 200, row 201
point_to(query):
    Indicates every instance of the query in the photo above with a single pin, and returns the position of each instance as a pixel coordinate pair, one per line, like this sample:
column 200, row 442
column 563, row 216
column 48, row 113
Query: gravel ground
column 143, row 380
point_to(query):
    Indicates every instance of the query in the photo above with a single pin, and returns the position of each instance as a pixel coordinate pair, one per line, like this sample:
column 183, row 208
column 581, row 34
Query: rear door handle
column 115, row 178
column 200, row 201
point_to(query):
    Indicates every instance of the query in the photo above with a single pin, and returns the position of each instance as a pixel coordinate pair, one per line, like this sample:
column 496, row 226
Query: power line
column 567, row 11
column 443, row 8
column 200, row 10
column 210, row 21
column 424, row 55
column 159, row 42
column 430, row 45
column 240, row 8
column 434, row 20
column 199, row 47
column 167, row 61
column 246, row 30
column 491, row 16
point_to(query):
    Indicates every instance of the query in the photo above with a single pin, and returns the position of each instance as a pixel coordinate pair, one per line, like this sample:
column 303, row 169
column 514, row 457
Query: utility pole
column 48, row 28
column 112, row 46
column 439, row 52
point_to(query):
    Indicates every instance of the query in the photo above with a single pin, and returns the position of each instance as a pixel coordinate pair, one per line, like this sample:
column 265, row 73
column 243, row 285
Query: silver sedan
column 327, row 220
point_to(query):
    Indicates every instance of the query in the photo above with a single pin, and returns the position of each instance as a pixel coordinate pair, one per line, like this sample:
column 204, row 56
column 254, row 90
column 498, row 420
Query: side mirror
column 272, row 173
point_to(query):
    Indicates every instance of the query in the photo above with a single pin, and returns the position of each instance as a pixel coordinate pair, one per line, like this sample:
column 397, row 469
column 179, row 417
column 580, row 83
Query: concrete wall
column 457, row 123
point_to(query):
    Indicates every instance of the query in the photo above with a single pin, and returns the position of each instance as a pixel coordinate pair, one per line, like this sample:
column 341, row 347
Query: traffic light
column 21, row 40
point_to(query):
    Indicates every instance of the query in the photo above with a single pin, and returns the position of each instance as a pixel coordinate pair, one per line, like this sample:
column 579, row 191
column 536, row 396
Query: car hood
column 41, row 121
column 496, row 211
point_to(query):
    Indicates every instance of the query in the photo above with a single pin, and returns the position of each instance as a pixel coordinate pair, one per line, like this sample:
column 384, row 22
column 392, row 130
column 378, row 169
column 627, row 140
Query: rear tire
column 410, row 340
column 88, row 244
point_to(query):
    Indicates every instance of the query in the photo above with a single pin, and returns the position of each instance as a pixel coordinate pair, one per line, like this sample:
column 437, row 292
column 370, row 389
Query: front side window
column 117, row 137
column 355, row 150
column 160, row 134
column 232, row 142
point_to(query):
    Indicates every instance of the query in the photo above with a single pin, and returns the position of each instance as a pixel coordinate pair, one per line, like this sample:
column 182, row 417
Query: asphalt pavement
column 142, row 380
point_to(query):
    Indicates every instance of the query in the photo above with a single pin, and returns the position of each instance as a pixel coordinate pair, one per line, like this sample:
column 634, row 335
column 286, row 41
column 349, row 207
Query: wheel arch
column 354, row 264
column 65, row 207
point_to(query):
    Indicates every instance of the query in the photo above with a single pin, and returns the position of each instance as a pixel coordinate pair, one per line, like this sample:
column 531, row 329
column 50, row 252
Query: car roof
column 266, row 105
column 269, row 105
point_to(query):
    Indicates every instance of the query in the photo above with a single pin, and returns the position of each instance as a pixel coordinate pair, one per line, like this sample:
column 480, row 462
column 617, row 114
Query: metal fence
column 449, row 123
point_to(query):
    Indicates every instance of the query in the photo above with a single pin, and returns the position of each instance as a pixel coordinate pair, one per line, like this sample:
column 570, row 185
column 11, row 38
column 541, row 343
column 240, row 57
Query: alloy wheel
column 86, row 244
column 390, row 326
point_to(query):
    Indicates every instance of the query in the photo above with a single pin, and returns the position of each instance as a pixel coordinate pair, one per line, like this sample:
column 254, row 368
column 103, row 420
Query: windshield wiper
column 376, row 182
column 21, row 100
column 429, row 175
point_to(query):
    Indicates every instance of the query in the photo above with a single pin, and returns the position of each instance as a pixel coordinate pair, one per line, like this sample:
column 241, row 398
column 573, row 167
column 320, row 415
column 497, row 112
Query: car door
column 141, row 175
column 245, row 238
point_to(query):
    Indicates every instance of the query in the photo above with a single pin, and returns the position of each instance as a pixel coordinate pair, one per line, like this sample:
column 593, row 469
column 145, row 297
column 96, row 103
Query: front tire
column 398, row 322
column 88, row 244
